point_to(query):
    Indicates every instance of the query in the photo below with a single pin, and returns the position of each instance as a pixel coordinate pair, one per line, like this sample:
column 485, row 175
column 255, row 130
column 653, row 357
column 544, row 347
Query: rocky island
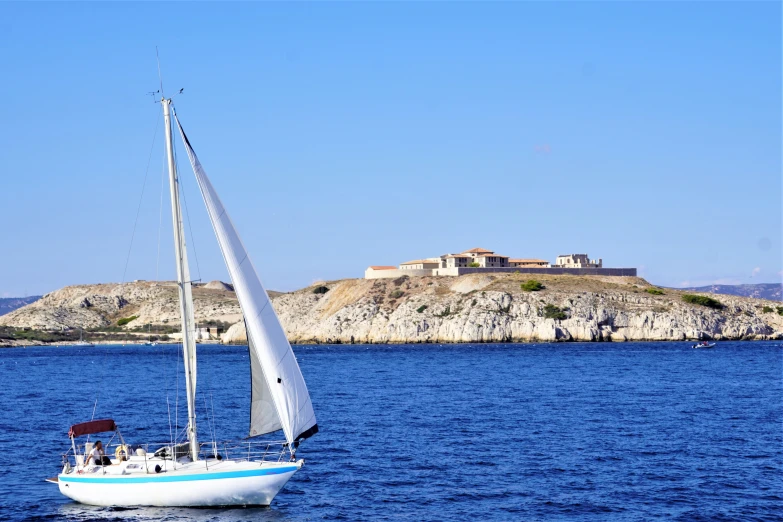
column 470, row 308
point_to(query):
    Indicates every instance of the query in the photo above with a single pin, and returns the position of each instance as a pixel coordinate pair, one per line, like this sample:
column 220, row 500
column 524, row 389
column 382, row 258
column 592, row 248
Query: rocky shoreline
column 467, row 309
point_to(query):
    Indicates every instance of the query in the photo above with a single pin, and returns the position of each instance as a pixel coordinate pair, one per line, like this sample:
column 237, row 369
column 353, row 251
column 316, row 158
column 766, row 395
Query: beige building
column 455, row 261
column 492, row 260
column 458, row 264
column 475, row 252
column 485, row 259
column 577, row 261
column 376, row 271
column 528, row 263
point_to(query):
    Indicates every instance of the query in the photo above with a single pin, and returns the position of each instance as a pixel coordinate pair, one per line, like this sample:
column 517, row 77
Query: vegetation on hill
column 532, row 286
column 702, row 300
column 28, row 334
column 654, row 290
column 555, row 312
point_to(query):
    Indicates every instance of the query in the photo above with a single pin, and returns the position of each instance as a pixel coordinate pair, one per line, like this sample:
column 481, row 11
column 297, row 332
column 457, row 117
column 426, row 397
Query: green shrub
column 654, row 290
column 474, row 265
column 421, row 308
column 702, row 300
column 396, row 294
column 780, row 310
column 766, row 310
column 320, row 290
column 532, row 286
column 554, row 312
column 126, row 320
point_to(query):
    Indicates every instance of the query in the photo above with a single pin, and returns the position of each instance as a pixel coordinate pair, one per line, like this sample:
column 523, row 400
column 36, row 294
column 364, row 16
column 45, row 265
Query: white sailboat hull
column 240, row 484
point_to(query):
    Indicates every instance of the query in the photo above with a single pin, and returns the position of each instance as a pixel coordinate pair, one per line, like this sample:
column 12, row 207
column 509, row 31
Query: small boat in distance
column 81, row 341
column 703, row 344
column 149, row 341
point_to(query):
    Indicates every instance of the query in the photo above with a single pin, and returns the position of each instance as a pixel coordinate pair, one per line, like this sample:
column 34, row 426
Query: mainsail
column 279, row 394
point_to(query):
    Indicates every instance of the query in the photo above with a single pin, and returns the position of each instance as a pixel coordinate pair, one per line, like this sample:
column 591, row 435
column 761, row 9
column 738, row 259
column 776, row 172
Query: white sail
column 263, row 412
column 280, row 397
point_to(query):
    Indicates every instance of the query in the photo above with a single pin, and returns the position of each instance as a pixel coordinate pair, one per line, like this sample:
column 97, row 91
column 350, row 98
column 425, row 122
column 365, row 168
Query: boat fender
column 121, row 453
column 157, row 468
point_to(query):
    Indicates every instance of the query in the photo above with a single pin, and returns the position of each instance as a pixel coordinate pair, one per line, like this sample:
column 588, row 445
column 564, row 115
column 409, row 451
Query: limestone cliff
column 473, row 308
column 493, row 308
column 96, row 306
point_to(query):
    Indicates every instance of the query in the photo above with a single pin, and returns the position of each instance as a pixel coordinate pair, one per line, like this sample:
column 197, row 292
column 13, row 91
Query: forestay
column 279, row 394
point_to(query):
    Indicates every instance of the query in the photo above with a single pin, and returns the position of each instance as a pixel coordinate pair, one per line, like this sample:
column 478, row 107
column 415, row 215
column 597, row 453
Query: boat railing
column 247, row 450
column 275, row 451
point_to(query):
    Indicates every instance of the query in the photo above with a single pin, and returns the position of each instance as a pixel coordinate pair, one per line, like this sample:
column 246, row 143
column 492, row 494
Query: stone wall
column 618, row 272
column 393, row 274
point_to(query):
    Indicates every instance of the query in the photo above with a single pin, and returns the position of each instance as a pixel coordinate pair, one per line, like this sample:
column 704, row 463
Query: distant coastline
column 770, row 291
column 9, row 304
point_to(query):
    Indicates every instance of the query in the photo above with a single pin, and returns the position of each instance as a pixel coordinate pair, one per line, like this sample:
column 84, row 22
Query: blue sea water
column 634, row 431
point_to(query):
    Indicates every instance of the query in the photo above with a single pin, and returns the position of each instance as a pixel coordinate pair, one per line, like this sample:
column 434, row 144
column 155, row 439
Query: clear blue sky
column 341, row 135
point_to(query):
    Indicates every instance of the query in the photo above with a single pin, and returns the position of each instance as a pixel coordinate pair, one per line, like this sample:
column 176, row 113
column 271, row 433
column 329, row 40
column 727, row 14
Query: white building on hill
column 421, row 264
column 577, row 261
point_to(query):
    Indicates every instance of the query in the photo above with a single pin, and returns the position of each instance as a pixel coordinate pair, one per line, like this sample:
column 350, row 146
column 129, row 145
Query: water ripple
column 439, row 432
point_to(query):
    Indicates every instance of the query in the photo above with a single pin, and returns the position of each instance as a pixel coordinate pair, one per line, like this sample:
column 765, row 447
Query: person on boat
column 97, row 456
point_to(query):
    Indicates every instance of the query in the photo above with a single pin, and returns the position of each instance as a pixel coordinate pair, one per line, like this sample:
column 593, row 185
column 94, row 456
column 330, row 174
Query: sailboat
column 149, row 341
column 211, row 474
column 81, row 341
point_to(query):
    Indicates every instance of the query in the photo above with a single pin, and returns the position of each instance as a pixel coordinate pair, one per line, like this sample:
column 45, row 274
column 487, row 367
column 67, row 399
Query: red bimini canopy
column 88, row 428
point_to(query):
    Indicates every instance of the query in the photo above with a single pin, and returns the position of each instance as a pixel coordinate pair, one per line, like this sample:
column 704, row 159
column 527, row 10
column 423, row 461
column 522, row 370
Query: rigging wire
column 164, row 353
column 127, row 259
column 210, row 425
column 160, row 214
column 141, row 197
column 214, row 427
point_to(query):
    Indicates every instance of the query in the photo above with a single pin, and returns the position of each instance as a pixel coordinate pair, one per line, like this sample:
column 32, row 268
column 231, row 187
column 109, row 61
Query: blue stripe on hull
column 163, row 477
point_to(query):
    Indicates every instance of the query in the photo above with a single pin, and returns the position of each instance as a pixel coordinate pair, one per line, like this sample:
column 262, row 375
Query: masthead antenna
column 160, row 76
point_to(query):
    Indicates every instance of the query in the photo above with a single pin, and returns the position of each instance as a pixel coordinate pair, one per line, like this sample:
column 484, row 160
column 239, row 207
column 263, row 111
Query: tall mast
column 184, row 285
